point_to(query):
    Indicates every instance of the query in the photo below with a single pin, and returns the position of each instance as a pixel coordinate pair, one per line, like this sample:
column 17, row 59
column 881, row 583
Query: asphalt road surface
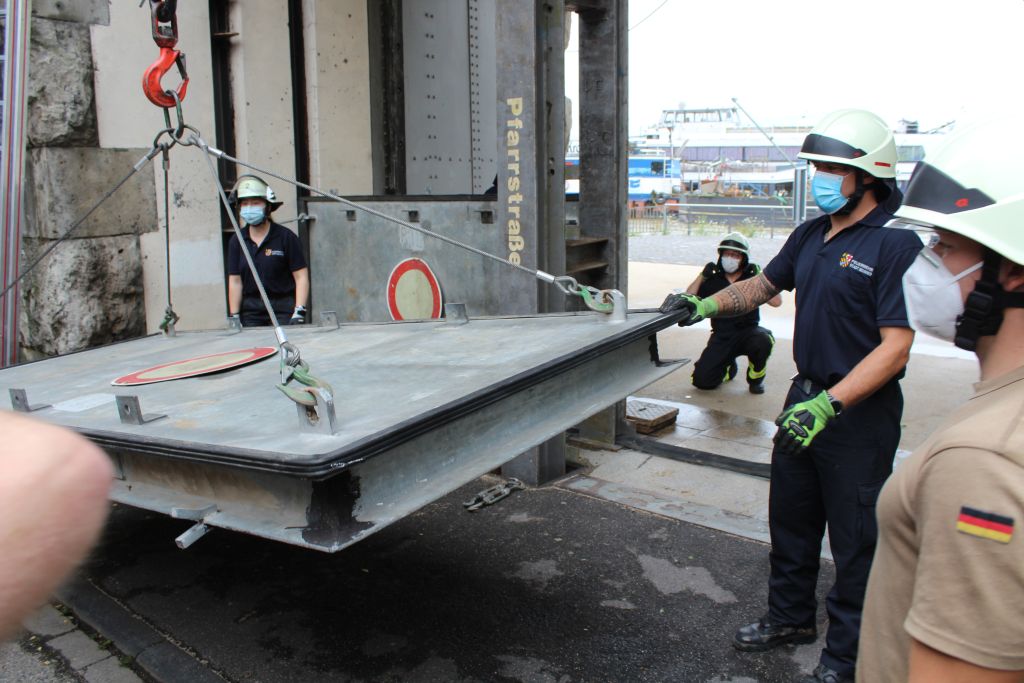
column 546, row 586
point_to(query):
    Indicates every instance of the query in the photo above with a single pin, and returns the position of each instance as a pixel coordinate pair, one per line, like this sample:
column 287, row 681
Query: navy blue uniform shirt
column 276, row 258
column 846, row 289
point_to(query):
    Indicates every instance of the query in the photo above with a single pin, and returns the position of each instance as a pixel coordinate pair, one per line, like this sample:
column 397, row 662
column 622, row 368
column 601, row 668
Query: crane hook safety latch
column 151, row 86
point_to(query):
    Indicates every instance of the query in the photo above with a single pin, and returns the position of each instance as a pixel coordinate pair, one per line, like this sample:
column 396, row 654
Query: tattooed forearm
column 745, row 296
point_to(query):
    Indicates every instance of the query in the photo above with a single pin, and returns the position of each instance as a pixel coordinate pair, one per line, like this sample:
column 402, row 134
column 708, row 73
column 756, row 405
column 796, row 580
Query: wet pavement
column 548, row 585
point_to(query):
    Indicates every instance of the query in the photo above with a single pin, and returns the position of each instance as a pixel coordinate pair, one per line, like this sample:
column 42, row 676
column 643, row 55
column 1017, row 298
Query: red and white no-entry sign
column 413, row 291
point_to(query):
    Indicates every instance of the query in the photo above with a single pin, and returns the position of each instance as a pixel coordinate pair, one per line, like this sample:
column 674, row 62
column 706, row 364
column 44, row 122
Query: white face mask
column 933, row 296
column 730, row 264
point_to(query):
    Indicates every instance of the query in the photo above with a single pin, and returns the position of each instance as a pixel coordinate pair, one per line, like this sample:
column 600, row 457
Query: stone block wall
column 88, row 290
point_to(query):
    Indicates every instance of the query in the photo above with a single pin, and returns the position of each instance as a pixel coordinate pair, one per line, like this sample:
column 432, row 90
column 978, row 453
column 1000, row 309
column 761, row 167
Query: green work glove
column 697, row 307
column 801, row 422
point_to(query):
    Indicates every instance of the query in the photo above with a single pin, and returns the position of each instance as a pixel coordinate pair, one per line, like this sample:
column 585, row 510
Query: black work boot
column 823, row 674
column 757, row 387
column 764, row 635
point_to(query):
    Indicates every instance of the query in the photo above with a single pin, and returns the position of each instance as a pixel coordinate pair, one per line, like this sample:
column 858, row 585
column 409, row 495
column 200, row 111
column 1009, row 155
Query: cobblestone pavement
column 53, row 649
column 696, row 250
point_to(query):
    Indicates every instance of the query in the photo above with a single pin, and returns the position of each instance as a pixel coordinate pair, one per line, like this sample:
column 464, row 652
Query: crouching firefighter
column 736, row 336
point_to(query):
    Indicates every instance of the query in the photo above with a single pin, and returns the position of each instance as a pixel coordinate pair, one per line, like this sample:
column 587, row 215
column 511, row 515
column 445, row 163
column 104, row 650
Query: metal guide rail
column 422, row 408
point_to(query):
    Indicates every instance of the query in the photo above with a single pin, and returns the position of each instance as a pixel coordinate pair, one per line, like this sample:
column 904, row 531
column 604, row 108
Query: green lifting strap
column 300, row 395
column 592, row 303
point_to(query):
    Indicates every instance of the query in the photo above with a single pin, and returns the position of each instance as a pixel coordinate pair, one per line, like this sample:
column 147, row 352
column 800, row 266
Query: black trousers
column 254, row 313
column 754, row 342
column 836, row 481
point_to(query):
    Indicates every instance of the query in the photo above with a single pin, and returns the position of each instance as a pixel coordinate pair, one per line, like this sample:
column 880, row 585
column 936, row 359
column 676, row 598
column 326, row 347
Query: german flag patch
column 985, row 524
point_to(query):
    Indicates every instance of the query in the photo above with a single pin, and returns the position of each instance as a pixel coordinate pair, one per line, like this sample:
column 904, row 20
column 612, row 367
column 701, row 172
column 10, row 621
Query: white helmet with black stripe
column 853, row 137
column 970, row 185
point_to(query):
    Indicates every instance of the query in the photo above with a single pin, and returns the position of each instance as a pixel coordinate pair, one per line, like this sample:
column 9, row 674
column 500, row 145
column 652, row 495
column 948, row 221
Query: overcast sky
column 792, row 61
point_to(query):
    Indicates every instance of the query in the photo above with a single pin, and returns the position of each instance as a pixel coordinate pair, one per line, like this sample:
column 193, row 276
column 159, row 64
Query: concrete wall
column 338, row 83
column 121, row 52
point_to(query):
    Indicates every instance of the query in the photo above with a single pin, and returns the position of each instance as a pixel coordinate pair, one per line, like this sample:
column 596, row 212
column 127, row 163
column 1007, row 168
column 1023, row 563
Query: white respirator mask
column 730, row 264
column 933, row 296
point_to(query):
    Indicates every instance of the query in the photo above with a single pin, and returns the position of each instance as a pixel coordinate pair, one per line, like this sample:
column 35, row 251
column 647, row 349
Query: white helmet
column 853, row 137
column 736, row 242
column 971, row 185
column 253, row 186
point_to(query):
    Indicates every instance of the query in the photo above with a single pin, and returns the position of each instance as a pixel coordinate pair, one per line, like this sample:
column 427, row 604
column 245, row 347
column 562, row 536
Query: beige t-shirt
column 949, row 566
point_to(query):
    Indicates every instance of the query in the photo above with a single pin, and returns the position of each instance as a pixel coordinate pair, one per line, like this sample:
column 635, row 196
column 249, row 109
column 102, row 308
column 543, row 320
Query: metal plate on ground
column 193, row 367
column 649, row 417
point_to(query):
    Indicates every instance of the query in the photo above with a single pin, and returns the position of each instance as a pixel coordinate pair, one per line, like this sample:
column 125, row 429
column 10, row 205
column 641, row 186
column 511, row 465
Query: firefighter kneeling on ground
column 277, row 254
column 732, row 337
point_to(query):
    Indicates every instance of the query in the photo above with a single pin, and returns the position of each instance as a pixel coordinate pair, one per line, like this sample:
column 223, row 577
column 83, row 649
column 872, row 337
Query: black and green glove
column 801, row 422
column 698, row 308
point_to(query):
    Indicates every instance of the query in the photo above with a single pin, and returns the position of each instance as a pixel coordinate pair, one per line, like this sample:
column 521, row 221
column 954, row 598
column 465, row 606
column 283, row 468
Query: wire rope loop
column 164, row 146
column 567, row 284
column 291, row 357
column 193, row 140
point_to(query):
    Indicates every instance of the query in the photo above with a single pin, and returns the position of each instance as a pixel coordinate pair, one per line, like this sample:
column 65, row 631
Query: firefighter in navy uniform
column 946, row 593
column 840, row 426
column 277, row 254
column 732, row 337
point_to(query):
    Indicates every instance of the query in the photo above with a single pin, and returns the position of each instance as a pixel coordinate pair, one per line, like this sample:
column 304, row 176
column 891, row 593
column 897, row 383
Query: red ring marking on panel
column 192, row 367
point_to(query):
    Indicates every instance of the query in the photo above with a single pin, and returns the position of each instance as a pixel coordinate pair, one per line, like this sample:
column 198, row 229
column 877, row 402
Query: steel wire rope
column 291, row 352
column 139, row 165
column 567, row 284
column 170, row 317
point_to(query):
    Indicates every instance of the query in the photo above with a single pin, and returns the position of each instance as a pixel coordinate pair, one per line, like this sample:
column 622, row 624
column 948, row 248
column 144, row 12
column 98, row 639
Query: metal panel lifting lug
column 329, row 319
column 194, row 533
column 455, row 314
column 197, row 530
column 130, row 412
column 318, row 419
column 19, row 401
column 618, row 306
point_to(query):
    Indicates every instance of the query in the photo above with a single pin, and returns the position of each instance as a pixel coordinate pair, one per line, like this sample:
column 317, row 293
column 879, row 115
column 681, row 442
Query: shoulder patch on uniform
column 985, row 524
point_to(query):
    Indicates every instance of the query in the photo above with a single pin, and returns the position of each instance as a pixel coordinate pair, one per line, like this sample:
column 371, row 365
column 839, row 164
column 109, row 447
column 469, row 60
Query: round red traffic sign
column 413, row 291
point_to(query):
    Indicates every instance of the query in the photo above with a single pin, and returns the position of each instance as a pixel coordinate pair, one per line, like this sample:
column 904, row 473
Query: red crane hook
column 165, row 35
column 151, row 78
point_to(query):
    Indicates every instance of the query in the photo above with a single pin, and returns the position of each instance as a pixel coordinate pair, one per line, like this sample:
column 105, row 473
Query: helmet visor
column 932, row 190
column 830, row 147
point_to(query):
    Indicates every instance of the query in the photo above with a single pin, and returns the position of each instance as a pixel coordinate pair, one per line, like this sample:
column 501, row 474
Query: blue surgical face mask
column 253, row 214
column 828, row 192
